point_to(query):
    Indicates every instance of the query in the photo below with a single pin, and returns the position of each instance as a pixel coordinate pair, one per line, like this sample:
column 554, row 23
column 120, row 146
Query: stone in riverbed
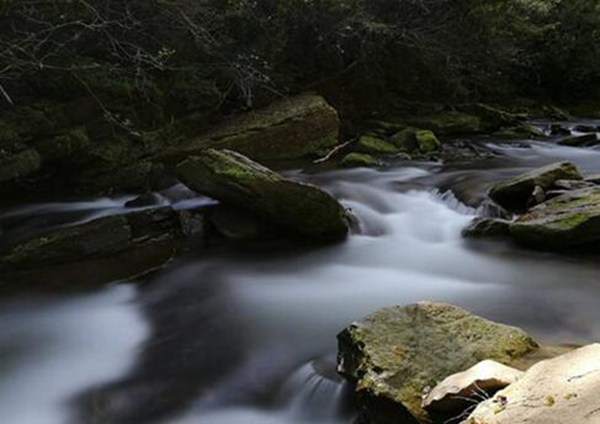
column 514, row 194
column 376, row 146
column 236, row 180
column 580, row 141
column 557, row 391
column 355, row 160
column 398, row 352
column 459, row 391
column 427, row 141
column 487, row 227
column 569, row 221
column 288, row 129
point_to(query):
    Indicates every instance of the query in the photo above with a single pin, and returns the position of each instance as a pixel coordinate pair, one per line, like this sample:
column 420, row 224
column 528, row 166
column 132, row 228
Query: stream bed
column 249, row 336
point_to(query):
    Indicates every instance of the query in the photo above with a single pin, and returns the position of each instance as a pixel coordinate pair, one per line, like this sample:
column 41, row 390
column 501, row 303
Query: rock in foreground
column 514, row 194
column 452, row 394
column 398, row 352
column 236, row 180
column 557, row 391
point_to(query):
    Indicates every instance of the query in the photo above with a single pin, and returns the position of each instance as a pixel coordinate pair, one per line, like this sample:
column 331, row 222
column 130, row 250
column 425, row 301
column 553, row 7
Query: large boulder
column 236, row 180
column 514, row 194
column 289, row 129
column 399, row 352
column 103, row 249
column 569, row 221
column 557, row 391
column 450, row 122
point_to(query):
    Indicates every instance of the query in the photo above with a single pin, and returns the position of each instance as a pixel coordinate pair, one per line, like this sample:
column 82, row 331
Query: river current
column 249, row 336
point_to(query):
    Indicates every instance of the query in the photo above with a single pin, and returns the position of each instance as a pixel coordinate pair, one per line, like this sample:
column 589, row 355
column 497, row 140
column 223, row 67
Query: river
column 249, row 336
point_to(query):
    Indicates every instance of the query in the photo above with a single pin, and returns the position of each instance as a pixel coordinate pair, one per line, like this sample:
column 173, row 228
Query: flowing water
column 248, row 336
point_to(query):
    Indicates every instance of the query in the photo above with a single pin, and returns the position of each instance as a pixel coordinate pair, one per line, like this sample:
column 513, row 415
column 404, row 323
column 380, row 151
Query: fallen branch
column 334, row 151
column 6, row 96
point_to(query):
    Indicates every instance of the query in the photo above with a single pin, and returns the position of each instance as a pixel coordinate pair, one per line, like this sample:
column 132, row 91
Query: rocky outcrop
column 236, row 180
column 292, row 128
column 557, row 391
column 397, row 353
column 459, row 391
column 514, row 194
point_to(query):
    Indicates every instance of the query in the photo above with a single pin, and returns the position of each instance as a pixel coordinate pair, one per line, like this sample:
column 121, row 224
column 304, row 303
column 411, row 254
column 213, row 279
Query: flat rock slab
column 514, row 194
column 235, row 180
column 563, row 390
column 398, row 352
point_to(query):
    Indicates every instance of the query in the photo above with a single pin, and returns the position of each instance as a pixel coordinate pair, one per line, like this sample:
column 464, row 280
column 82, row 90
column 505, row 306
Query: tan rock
column 485, row 377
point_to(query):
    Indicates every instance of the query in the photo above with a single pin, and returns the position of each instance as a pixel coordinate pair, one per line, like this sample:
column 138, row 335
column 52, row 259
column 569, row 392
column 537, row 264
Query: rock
column 594, row 179
column 145, row 200
column 289, row 129
column 487, row 227
column 427, row 141
column 356, row 160
column 64, row 145
column 236, row 180
column 237, row 224
column 520, row 131
column 557, row 391
column 193, row 228
column 377, row 146
column 558, row 129
column 111, row 236
column 446, row 123
column 538, row 196
column 18, row 161
column 514, row 194
column 398, row 352
column 485, row 378
column 406, row 139
column 585, row 128
column 572, row 185
column 580, row 140
column 569, row 221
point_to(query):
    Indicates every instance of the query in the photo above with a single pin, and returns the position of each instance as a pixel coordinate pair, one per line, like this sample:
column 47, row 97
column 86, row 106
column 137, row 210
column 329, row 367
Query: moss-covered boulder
column 514, row 194
column 521, row 131
column 399, row 352
column 234, row 179
column 585, row 140
column 357, row 160
column 375, row 146
column 288, row 129
column 566, row 222
column 405, row 139
column 446, row 123
column 427, row 141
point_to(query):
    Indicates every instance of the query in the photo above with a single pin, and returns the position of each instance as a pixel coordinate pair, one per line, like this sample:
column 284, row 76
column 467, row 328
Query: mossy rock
column 356, row 160
column 518, row 132
column 405, row 139
column 514, row 194
column 427, row 141
column 398, row 352
column 236, row 180
column 447, row 123
column 65, row 145
column 375, row 146
column 570, row 221
column 18, row 161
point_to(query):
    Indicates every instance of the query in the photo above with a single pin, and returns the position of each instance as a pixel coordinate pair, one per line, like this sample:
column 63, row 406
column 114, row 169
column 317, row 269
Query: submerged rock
column 557, row 391
column 398, row 352
column 461, row 390
column 236, row 180
column 514, row 194
column 571, row 220
column 580, row 141
column 292, row 128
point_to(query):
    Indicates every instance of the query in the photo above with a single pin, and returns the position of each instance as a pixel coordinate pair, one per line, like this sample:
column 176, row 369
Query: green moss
column 427, row 141
column 448, row 123
column 372, row 145
column 359, row 160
